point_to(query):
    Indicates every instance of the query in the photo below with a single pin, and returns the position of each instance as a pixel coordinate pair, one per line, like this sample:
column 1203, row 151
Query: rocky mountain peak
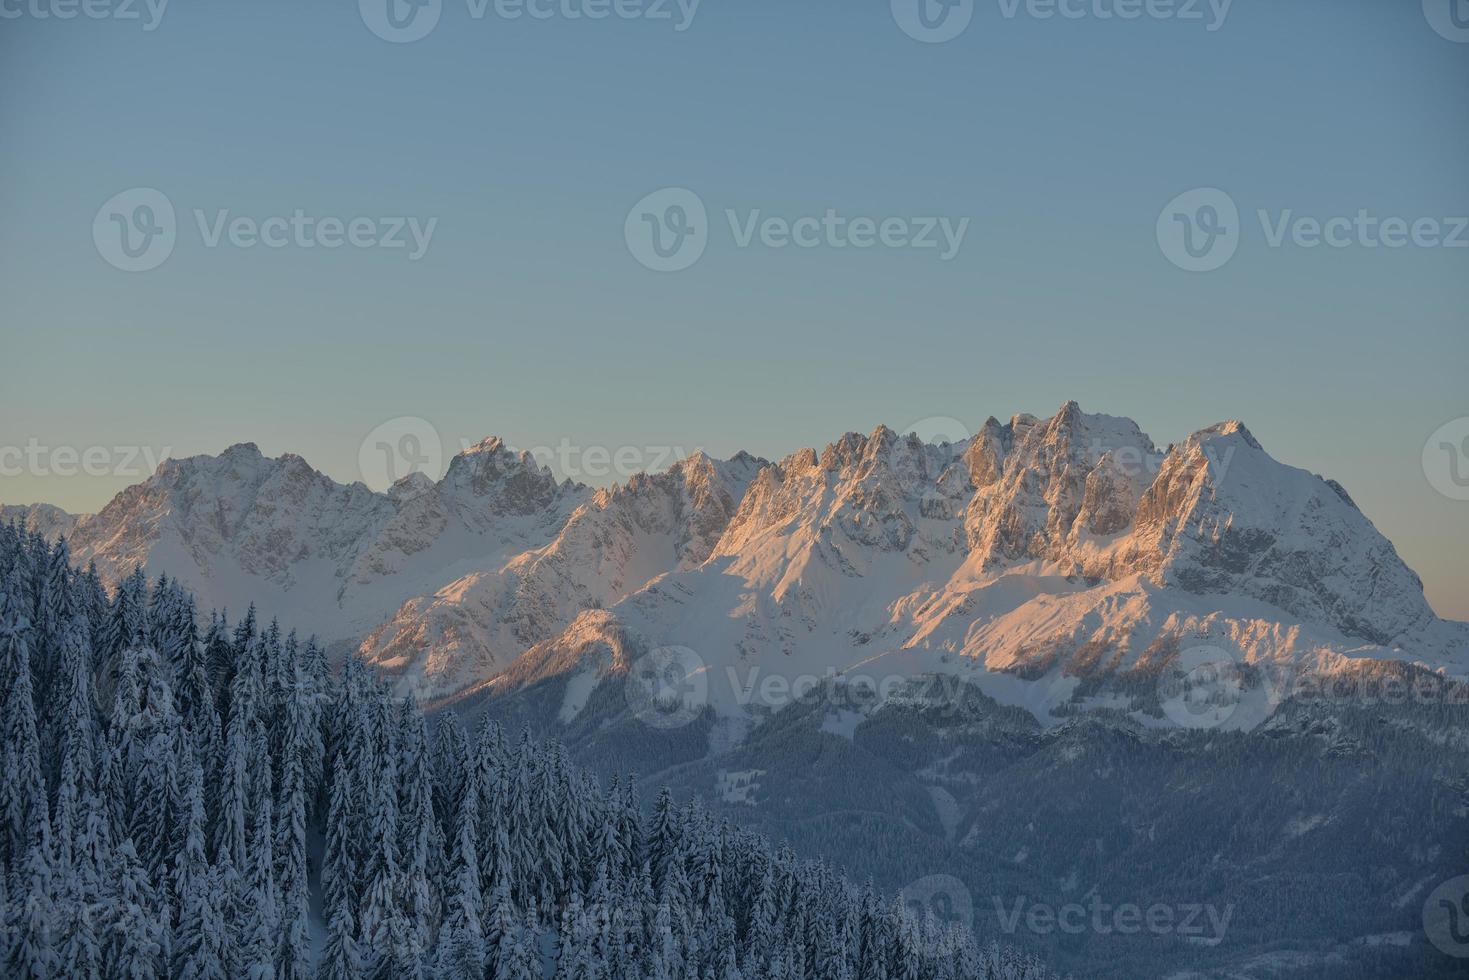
column 491, row 475
column 1069, row 538
column 1059, row 479
column 44, row 519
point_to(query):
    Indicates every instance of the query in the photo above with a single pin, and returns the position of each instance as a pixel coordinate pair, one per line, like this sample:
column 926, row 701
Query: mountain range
column 1051, row 664
column 1028, row 558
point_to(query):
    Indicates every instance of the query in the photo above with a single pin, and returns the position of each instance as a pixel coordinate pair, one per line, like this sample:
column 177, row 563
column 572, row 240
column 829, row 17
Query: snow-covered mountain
column 1037, row 555
column 1031, row 556
column 611, row 547
column 44, row 519
column 333, row 559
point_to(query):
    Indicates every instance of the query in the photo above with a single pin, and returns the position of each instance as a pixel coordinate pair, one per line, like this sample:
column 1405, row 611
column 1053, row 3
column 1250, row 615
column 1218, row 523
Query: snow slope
column 1041, row 552
column 1037, row 553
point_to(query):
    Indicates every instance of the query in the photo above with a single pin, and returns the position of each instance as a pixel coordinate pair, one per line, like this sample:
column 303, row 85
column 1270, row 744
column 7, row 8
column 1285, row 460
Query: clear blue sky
column 529, row 140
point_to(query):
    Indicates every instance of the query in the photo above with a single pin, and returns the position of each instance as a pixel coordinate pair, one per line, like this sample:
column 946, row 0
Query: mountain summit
column 1069, row 544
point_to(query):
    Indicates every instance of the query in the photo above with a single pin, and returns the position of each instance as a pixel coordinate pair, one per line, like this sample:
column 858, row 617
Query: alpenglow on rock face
column 1066, row 544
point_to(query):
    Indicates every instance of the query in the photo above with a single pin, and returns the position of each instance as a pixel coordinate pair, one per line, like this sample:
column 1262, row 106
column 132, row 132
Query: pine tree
column 420, row 842
column 340, row 959
column 204, row 949
column 34, row 945
column 574, row 951
column 520, row 960
column 80, row 956
column 55, row 607
column 262, row 918
column 21, row 782
column 313, row 748
column 136, row 931
column 126, row 623
column 663, row 842
column 502, row 929
column 187, row 655
column 290, row 849
column 461, row 948
column 234, row 790
column 451, row 772
column 339, row 875
column 76, row 733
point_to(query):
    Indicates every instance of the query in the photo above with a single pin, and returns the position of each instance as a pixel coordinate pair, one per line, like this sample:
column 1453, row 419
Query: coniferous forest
column 193, row 798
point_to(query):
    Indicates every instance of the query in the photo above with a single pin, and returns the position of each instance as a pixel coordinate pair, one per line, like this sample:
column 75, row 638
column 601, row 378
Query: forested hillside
column 187, row 798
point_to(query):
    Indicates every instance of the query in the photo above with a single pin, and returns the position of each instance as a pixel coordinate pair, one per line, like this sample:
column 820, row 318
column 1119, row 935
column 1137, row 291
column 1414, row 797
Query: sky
column 865, row 213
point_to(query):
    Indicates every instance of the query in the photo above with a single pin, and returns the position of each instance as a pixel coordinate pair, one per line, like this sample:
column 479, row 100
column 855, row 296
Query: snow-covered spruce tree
column 262, row 905
column 31, row 926
column 461, row 946
column 138, row 926
column 165, row 793
column 421, row 842
column 24, row 799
